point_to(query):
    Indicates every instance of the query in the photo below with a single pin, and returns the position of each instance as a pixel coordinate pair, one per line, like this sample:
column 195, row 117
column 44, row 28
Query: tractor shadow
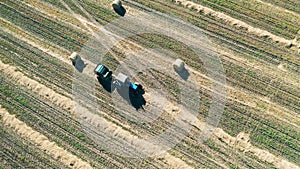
column 136, row 100
column 106, row 84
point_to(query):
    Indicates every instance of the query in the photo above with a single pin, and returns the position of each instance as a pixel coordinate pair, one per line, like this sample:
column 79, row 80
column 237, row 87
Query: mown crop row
column 247, row 79
column 246, row 11
column 264, row 131
column 32, row 61
column 292, row 5
column 231, row 37
column 79, row 148
column 20, row 153
column 235, row 119
column 238, row 117
column 34, row 22
column 241, row 76
column 53, row 123
column 241, row 159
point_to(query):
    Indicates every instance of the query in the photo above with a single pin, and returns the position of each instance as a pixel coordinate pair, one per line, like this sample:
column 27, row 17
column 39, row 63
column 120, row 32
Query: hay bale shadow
column 184, row 74
column 79, row 64
column 120, row 10
column 106, row 84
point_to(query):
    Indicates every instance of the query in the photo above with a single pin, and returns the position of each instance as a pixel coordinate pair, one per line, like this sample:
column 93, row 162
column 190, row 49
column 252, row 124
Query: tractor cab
column 137, row 88
column 103, row 72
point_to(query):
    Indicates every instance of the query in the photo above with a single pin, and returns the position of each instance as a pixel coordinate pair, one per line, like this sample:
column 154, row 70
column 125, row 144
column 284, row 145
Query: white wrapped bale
column 179, row 65
column 75, row 58
column 117, row 4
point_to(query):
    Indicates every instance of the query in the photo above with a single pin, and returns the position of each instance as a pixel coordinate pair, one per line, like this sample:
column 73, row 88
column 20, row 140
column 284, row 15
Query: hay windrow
column 242, row 142
column 41, row 141
column 239, row 24
column 55, row 13
column 68, row 104
column 36, row 87
column 55, row 51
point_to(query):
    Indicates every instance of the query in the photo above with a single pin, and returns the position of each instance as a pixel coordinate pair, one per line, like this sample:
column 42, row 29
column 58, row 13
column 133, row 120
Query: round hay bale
column 179, row 65
column 117, row 3
column 73, row 56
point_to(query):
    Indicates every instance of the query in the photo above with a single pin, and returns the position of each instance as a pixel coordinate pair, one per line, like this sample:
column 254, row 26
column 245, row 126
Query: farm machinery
column 132, row 92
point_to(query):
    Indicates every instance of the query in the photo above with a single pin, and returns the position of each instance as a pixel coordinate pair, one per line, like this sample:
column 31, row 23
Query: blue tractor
column 128, row 90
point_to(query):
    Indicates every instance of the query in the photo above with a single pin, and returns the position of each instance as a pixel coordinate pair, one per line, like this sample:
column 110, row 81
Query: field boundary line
column 41, row 141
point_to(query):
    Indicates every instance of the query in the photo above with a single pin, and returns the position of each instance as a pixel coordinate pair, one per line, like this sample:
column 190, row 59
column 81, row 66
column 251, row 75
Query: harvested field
column 41, row 141
column 54, row 116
